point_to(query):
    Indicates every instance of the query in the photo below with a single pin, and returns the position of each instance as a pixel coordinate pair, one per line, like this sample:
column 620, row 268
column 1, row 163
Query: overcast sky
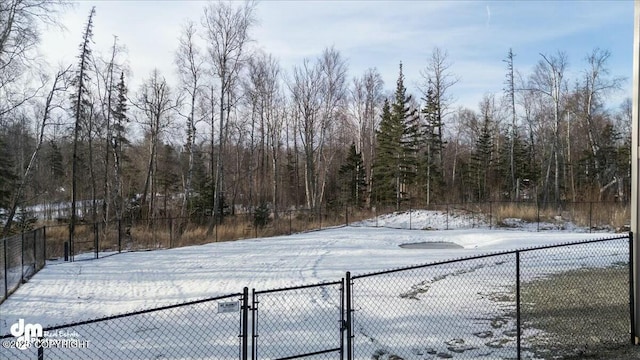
column 476, row 35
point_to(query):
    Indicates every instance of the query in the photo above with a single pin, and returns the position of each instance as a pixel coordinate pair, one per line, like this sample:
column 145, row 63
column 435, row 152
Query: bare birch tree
column 318, row 92
column 60, row 84
column 595, row 87
column 438, row 79
column 548, row 80
column 157, row 103
column 227, row 34
column 262, row 91
column 20, row 30
column 190, row 66
column 365, row 99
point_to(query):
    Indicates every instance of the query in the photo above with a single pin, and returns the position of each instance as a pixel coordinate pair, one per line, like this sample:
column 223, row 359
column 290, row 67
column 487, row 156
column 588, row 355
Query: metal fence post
column 119, row 235
column 490, row 214
column 22, row 257
column 632, row 315
column 70, row 253
column 349, row 321
column 538, row 214
column 447, row 217
column 254, row 325
column 35, row 252
column 40, row 350
column 6, row 279
column 518, row 309
column 170, row 232
column 343, row 322
column 590, row 214
column 96, row 240
column 44, row 244
column 346, row 214
column 245, row 324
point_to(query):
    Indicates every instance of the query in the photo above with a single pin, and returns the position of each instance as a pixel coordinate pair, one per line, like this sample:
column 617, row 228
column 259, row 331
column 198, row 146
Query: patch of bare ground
column 579, row 314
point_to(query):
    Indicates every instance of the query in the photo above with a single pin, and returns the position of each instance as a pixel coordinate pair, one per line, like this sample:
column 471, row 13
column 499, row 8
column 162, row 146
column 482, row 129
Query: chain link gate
column 209, row 329
column 299, row 322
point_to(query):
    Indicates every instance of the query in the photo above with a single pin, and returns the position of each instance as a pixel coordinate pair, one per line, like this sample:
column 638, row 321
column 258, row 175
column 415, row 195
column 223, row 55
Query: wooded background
column 239, row 133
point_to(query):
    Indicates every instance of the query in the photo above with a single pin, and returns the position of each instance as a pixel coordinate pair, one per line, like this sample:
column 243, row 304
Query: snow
column 69, row 292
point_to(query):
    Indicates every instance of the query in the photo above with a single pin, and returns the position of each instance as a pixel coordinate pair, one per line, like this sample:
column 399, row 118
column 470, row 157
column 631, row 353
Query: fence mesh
column 188, row 331
column 3, row 269
column 297, row 322
column 575, row 299
column 436, row 311
column 564, row 301
column 21, row 256
column 13, row 262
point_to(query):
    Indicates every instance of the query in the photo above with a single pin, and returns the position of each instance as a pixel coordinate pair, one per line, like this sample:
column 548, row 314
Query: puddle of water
column 431, row 245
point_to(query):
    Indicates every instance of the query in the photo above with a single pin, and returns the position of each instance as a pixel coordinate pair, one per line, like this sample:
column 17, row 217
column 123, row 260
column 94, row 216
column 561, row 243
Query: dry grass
column 170, row 233
column 594, row 215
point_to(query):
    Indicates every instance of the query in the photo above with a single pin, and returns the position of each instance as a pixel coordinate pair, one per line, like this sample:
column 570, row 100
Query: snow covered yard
column 459, row 296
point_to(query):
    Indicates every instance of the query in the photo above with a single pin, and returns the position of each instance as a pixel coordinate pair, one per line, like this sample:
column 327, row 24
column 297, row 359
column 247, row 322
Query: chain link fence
column 21, row 257
column 591, row 216
column 435, row 311
column 95, row 240
column 562, row 301
column 299, row 322
column 566, row 301
column 206, row 329
column 575, row 299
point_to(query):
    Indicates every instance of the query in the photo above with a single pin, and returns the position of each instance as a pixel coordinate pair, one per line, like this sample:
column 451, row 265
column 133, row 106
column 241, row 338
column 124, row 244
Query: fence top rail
column 492, row 254
column 340, row 282
column 140, row 312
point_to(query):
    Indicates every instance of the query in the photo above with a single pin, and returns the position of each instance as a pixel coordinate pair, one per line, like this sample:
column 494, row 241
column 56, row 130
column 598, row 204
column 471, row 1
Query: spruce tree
column 432, row 177
column 482, row 161
column 353, row 176
column 81, row 108
column 118, row 140
column 516, row 159
column 410, row 139
column 55, row 162
column 7, row 177
column 385, row 166
column 396, row 164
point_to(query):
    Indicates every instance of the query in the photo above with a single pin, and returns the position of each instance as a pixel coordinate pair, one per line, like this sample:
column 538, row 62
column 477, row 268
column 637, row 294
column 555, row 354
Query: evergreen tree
column 55, row 162
column 199, row 180
column 353, row 176
column 516, row 159
column 120, row 118
column 431, row 169
column 25, row 220
column 410, row 140
column 396, row 164
column 7, row 177
column 482, row 161
column 81, row 107
column 385, row 166
column 168, row 174
column 118, row 140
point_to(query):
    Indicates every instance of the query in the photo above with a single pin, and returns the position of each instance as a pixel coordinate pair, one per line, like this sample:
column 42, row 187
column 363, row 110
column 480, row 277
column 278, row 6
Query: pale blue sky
column 476, row 34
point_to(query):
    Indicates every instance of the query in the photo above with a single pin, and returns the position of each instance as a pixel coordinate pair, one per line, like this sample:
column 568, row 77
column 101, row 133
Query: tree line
column 239, row 132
